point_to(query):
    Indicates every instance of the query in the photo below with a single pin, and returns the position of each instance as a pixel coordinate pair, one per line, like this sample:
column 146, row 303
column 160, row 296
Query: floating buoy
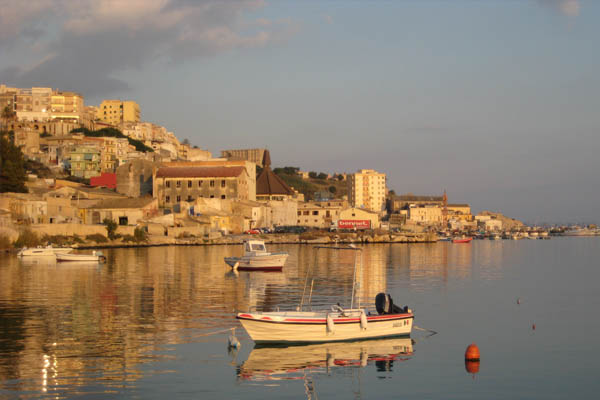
column 533, row 327
column 518, row 300
column 472, row 353
column 472, row 367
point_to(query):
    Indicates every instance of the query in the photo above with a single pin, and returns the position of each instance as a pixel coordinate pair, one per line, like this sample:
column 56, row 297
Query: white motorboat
column 278, row 363
column 257, row 258
column 47, row 251
column 94, row 257
column 333, row 325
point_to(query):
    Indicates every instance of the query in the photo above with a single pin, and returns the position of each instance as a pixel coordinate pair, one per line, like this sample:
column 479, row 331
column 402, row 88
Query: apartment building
column 367, row 189
column 115, row 112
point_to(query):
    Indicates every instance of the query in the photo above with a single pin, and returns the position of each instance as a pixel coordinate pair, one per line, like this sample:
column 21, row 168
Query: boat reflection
column 293, row 362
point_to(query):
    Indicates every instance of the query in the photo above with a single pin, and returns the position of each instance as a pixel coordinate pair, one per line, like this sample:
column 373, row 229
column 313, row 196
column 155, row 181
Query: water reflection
column 66, row 327
column 294, row 362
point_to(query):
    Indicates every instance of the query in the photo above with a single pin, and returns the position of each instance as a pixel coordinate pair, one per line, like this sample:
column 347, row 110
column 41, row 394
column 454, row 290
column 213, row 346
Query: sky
column 496, row 102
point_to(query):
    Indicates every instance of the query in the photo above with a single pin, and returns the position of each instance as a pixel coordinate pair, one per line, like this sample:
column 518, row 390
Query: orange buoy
column 472, row 353
column 533, row 327
column 472, row 367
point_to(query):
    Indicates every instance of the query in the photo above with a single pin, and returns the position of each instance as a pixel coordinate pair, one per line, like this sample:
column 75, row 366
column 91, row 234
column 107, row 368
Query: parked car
column 252, row 232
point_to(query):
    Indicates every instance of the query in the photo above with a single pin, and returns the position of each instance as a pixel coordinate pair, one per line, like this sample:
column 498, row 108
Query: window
column 167, row 199
column 223, row 196
column 178, row 184
column 299, row 212
column 189, row 198
column 315, row 212
column 189, row 184
column 212, row 196
column 306, row 212
column 200, row 183
column 212, row 183
column 178, row 199
column 223, row 183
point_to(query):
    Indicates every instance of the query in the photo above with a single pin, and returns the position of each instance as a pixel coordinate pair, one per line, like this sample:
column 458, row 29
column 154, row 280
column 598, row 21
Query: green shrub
column 111, row 228
column 28, row 238
column 96, row 237
column 128, row 238
column 140, row 234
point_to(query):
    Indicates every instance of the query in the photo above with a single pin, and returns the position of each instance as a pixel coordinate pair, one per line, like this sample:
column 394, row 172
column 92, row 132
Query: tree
column 111, row 228
column 140, row 235
column 12, row 167
column 186, row 141
column 322, row 175
column 8, row 114
column 332, row 189
column 312, row 174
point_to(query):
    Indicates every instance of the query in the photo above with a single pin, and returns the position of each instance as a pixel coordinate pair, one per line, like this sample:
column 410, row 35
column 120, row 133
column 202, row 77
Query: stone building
column 400, row 202
column 174, row 184
column 253, row 155
column 127, row 211
column 115, row 112
column 428, row 214
column 320, row 214
column 134, row 179
column 85, row 161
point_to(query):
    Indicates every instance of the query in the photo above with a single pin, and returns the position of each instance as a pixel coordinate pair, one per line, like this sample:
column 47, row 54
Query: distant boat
column 257, row 258
column 444, row 239
column 94, row 257
column 577, row 231
column 495, row 237
column 47, row 251
column 462, row 240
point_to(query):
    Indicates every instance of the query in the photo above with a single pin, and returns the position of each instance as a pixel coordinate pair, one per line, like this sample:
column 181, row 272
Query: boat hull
column 307, row 327
column 271, row 262
column 467, row 240
column 79, row 258
column 43, row 251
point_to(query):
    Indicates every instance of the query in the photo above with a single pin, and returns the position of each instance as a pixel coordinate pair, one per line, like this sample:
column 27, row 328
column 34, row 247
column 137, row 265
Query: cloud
column 91, row 41
column 569, row 8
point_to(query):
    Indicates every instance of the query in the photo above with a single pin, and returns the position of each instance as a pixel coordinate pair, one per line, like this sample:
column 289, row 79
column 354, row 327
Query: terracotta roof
column 199, row 172
column 268, row 183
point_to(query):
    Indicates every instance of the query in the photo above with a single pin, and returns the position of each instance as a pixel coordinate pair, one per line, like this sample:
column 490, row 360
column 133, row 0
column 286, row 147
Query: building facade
column 253, row 155
column 172, row 185
column 85, row 161
column 367, row 189
column 115, row 112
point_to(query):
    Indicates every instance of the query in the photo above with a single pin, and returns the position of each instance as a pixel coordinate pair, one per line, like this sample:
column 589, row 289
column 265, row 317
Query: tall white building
column 367, row 189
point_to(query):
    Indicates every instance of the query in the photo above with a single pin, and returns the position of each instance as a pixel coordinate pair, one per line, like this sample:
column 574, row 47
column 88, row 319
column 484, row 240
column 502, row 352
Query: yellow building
column 67, row 106
column 460, row 212
column 116, row 112
column 319, row 214
column 426, row 214
column 367, row 189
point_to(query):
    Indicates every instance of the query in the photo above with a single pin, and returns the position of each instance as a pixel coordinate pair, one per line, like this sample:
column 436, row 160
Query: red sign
column 354, row 224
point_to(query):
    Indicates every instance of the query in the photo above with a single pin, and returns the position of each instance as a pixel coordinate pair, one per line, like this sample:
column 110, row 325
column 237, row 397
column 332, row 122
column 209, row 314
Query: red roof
column 199, row 172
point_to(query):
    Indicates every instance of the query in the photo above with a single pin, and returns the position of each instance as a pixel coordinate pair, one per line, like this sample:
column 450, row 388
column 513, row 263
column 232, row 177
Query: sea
column 154, row 323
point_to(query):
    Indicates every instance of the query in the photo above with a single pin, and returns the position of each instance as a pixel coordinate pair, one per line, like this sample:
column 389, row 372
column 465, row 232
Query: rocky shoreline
column 350, row 238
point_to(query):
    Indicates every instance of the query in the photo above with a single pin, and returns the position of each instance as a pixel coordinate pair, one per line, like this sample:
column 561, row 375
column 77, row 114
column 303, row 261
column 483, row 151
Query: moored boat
column 94, row 257
column 257, row 258
column 462, row 240
column 329, row 325
column 47, row 251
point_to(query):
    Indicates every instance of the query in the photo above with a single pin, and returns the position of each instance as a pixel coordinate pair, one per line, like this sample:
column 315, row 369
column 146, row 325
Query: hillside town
column 91, row 166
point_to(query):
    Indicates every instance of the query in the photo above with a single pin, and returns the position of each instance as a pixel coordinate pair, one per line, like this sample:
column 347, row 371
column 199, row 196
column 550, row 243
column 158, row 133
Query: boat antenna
column 306, row 281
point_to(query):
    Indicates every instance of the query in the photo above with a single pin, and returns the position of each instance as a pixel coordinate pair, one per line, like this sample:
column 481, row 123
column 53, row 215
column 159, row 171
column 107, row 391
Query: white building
column 367, row 189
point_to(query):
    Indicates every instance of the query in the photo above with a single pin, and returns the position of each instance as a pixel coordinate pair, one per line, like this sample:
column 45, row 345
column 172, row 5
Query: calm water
column 139, row 326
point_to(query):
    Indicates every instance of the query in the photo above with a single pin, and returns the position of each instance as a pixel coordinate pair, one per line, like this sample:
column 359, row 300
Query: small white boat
column 257, row 258
column 94, row 257
column 47, row 251
column 333, row 325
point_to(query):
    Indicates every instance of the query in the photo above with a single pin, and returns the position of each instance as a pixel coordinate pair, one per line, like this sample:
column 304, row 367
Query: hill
column 309, row 186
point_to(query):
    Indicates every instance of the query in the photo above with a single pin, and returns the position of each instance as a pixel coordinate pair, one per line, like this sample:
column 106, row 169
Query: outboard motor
column 385, row 305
